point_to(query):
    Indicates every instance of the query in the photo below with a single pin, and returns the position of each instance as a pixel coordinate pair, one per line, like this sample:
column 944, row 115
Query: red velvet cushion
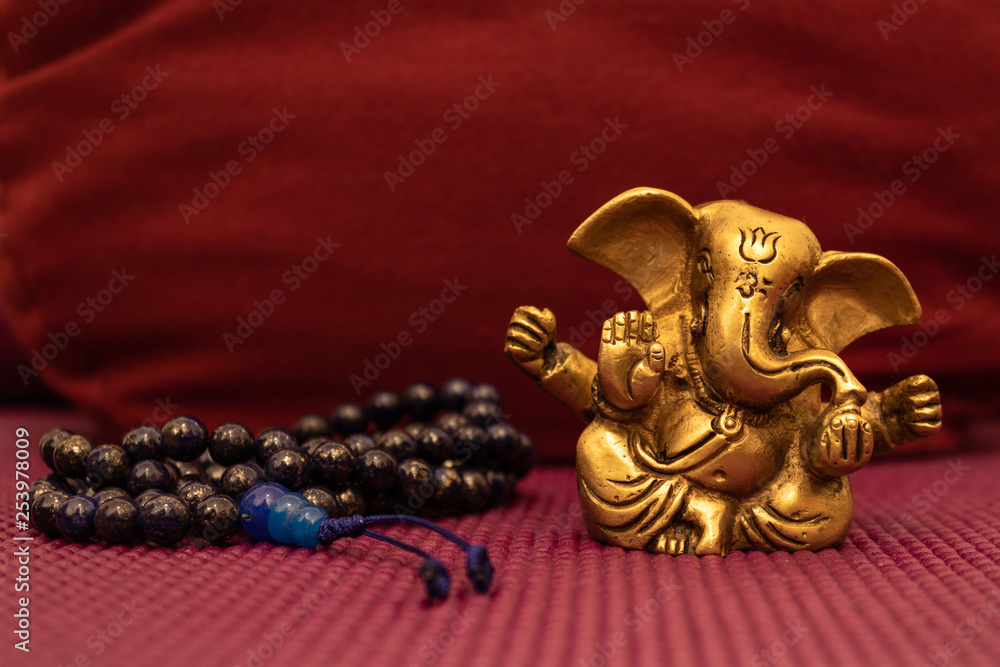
column 208, row 157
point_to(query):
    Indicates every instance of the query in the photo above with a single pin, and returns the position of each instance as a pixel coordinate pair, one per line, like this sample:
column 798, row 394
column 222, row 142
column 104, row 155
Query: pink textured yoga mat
column 917, row 582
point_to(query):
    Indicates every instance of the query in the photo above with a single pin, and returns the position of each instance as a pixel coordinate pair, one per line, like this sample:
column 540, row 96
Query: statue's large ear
column 851, row 294
column 646, row 236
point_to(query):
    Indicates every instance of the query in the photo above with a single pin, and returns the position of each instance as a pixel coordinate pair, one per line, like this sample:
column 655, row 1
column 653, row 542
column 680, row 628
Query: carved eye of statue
column 792, row 292
column 704, row 261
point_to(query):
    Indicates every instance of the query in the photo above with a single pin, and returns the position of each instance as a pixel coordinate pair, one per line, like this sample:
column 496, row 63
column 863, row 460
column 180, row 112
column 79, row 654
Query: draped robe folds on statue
column 637, row 480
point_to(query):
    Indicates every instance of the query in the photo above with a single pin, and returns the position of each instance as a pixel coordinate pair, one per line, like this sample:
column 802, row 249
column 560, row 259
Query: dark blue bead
column 414, row 429
column 420, row 401
column 148, row 495
column 194, row 493
column 47, row 445
column 449, row 490
column 475, row 491
column 147, row 475
column 108, row 493
column 44, row 510
column 37, row 488
column 107, row 465
column 75, row 518
column 187, row 478
column 279, row 519
column 184, row 438
column 503, row 443
column 455, row 394
column 470, row 444
column 271, row 442
column 321, row 497
column 165, row 520
column 348, row 419
column 451, row 423
column 333, row 463
column 231, row 443
column 360, row 443
column 482, row 414
column 416, row 484
column 398, row 443
column 349, row 501
column 435, row 445
column 117, row 521
column 384, row 409
column 70, row 455
column 486, row 393
column 239, row 479
column 144, row 442
column 255, row 507
column 375, row 471
column 275, row 427
column 289, row 468
column 501, row 487
column 216, row 519
column 310, row 446
column 311, row 426
column 305, row 525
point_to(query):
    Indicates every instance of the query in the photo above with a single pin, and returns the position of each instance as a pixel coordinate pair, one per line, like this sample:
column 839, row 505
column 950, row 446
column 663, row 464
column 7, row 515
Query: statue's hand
column 630, row 362
column 530, row 334
column 911, row 409
column 843, row 442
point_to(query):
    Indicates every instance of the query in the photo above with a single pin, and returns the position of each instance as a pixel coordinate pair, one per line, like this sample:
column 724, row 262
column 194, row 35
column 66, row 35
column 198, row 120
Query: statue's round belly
column 742, row 468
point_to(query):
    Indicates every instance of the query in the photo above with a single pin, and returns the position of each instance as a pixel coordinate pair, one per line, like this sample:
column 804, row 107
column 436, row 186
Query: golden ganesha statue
column 709, row 430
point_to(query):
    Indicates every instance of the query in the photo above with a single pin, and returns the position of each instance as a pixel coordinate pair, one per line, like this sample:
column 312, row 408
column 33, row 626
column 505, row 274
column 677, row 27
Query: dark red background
column 162, row 338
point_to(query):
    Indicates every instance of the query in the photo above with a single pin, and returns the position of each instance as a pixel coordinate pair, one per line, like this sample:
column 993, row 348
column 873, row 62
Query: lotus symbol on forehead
column 759, row 246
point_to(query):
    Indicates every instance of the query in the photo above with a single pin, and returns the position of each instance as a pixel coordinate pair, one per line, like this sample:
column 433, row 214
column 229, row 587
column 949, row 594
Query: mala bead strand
column 398, row 453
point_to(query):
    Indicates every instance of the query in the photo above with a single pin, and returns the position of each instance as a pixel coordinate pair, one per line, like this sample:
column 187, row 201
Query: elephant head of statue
column 746, row 295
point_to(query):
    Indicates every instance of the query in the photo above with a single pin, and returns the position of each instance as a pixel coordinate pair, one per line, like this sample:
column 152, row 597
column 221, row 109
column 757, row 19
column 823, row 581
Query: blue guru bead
column 305, row 525
column 272, row 485
column 279, row 518
column 255, row 507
